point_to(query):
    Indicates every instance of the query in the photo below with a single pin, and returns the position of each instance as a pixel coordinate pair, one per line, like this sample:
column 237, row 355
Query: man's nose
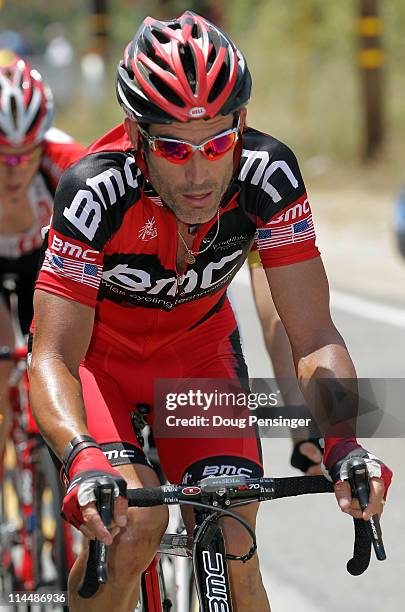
column 13, row 171
column 197, row 168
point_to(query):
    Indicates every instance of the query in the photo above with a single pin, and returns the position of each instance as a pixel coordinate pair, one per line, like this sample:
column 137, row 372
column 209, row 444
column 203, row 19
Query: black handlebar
column 238, row 488
column 217, row 492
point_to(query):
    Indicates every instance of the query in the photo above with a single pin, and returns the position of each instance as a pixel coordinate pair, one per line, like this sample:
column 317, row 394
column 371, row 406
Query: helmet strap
column 237, row 154
column 140, row 158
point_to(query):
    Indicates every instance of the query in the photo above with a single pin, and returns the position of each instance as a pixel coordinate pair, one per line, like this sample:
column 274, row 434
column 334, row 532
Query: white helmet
column 26, row 104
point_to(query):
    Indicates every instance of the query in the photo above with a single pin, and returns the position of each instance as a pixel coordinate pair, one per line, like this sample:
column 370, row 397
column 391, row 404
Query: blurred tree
column 306, row 82
column 99, row 30
column 371, row 62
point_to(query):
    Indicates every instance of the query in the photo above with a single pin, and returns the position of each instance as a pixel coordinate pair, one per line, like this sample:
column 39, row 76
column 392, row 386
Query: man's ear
column 131, row 128
column 242, row 115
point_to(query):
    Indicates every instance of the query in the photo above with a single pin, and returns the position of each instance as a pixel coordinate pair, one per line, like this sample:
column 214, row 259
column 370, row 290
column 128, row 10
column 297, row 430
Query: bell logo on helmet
column 197, row 111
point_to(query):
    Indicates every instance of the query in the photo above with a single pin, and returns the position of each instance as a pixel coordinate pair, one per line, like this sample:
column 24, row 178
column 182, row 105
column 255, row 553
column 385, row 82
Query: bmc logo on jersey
column 73, row 250
column 85, row 210
column 292, row 213
column 138, row 280
column 263, row 170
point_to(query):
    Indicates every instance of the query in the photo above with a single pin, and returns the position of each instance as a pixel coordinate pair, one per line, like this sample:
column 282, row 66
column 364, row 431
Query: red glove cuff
column 88, row 459
column 337, row 449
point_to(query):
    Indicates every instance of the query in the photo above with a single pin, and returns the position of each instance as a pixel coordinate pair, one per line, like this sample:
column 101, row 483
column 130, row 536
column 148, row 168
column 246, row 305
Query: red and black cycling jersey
column 58, row 152
column 113, row 242
column 20, row 253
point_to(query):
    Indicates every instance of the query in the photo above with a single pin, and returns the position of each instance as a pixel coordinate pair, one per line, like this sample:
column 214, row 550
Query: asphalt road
column 305, row 543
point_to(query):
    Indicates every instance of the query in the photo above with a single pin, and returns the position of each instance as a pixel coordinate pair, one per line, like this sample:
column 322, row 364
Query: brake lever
column 105, row 507
column 360, row 485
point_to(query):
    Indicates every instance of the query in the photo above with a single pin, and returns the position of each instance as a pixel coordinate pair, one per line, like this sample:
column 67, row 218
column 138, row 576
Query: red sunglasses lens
column 22, row 160
column 176, row 152
column 219, row 146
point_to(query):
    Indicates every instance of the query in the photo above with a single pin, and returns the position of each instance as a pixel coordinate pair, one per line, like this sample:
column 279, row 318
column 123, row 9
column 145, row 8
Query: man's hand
column 351, row 506
column 79, row 509
column 89, row 469
column 93, row 526
column 380, row 480
column 307, row 456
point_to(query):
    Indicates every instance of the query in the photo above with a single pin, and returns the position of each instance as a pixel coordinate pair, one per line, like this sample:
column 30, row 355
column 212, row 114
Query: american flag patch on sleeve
column 79, row 271
column 292, row 233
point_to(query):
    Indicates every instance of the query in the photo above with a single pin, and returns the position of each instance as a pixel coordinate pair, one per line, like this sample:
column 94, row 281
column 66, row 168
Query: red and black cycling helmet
column 181, row 70
column 26, row 104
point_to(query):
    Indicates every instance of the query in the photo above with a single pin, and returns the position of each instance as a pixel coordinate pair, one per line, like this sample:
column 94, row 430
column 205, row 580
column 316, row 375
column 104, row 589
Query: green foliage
column 307, row 87
column 302, row 54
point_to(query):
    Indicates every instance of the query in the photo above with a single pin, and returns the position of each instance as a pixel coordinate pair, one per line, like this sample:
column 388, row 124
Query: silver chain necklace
column 190, row 255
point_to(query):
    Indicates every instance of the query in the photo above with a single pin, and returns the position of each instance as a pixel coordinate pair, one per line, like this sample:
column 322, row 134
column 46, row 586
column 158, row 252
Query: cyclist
column 148, row 230
column 307, row 451
column 399, row 221
column 32, row 157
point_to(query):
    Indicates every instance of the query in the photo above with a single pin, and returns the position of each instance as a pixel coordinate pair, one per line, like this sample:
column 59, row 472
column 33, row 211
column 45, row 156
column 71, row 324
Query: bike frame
column 25, row 445
column 210, row 569
column 150, row 588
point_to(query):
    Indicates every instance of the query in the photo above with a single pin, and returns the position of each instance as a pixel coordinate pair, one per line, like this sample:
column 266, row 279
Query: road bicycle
column 36, row 546
column 213, row 498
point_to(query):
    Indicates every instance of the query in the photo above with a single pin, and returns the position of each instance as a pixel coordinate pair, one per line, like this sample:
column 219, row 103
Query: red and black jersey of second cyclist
column 58, row 152
column 113, row 242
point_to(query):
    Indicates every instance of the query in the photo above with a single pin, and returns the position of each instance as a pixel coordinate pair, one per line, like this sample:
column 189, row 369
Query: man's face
column 18, row 165
column 192, row 190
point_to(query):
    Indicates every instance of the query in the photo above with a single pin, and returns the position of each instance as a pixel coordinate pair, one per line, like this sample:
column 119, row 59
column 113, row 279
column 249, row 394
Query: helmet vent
column 13, row 105
column 196, row 32
column 149, row 50
column 34, row 119
column 161, row 36
column 187, row 60
column 165, row 91
column 162, row 64
column 219, row 84
column 211, row 57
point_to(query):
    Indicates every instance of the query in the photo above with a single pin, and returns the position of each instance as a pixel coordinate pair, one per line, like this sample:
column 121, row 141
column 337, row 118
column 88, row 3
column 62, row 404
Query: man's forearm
column 56, row 402
column 328, row 381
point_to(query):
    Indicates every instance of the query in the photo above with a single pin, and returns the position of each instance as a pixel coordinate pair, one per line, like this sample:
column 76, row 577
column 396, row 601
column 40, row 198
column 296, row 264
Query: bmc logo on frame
column 215, row 582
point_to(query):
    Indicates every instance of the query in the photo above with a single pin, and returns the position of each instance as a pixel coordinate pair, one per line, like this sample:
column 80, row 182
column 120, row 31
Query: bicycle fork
column 211, row 571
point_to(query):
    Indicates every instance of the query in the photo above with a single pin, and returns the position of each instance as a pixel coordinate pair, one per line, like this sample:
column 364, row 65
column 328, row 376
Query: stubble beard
column 186, row 214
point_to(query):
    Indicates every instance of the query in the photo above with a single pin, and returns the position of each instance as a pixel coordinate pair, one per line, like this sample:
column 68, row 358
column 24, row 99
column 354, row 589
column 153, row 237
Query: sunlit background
column 328, row 83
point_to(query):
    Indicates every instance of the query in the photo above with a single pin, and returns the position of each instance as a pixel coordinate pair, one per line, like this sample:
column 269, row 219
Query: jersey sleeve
column 60, row 152
column 285, row 230
column 88, row 204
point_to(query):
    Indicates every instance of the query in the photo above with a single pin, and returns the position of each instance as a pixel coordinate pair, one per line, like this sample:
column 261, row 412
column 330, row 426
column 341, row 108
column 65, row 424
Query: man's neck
column 193, row 228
